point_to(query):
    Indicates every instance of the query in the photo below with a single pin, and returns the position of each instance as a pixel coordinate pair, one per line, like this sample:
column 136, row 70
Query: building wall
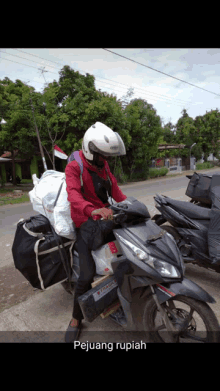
column 211, row 157
column 25, row 169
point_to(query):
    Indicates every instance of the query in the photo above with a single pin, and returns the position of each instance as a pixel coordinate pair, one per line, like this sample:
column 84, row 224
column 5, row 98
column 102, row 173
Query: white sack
column 43, row 197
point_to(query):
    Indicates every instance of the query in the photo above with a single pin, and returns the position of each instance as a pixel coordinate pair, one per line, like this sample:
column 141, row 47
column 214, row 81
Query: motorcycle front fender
column 185, row 287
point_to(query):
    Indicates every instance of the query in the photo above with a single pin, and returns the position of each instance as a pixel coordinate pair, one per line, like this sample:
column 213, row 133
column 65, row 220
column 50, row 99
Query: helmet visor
column 122, row 150
column 114, row 150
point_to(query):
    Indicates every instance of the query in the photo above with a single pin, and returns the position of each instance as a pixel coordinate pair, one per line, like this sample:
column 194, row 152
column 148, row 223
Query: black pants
column 90, row 236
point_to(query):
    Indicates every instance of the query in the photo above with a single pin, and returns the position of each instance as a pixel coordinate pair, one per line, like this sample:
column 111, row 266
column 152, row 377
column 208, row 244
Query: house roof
column 8, row 154
column 2, row 159
column 171, row 146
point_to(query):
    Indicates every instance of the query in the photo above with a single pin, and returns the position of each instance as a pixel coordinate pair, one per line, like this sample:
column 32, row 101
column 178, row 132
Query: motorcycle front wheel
column 194, row 320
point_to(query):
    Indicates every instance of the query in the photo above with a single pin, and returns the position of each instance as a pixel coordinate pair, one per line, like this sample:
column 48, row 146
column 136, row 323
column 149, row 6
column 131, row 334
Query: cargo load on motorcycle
column 43, row 247
column 199, row 188
column 43, row 257
column 206, row 189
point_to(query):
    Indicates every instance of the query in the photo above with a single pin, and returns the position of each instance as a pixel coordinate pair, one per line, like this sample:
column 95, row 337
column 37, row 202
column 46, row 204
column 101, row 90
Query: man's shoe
column 72, row 333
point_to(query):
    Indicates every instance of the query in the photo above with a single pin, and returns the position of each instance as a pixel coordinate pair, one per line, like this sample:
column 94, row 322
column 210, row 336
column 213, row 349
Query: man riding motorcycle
column 99, row 143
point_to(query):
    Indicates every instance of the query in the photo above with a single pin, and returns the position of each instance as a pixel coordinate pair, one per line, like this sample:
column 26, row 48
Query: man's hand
column 107, row 214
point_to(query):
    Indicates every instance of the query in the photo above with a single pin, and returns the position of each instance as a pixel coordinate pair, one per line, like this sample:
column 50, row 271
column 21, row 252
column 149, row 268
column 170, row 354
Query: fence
column 174, row 164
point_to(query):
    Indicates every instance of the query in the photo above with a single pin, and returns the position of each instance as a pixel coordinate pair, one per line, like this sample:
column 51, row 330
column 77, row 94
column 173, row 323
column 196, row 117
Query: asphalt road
column 51, row 310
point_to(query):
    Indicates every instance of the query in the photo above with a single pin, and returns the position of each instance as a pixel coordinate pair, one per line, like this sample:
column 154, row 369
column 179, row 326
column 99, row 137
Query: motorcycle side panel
column 196, row 237
column 184, row 288
column 173, row 217
column 163, row 248
column 130, row 276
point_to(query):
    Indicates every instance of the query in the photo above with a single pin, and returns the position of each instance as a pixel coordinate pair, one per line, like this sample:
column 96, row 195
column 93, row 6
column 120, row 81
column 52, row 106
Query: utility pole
column 190, row 156
column 42, row 72
column 39, row 141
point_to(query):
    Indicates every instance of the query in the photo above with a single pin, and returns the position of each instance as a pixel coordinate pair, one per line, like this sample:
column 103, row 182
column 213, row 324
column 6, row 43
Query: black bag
column 43, row 257
column 198, row 188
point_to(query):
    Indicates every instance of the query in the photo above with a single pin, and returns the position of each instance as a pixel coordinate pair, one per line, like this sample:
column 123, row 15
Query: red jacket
column 83, row 205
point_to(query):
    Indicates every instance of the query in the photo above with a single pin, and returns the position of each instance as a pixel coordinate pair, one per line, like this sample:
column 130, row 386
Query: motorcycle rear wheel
column 193, row 311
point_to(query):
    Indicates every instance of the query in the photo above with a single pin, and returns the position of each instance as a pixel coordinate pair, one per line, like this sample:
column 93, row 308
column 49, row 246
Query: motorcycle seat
column 190, row 210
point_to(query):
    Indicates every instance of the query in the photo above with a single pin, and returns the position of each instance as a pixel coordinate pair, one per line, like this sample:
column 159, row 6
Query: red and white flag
column 59, row 153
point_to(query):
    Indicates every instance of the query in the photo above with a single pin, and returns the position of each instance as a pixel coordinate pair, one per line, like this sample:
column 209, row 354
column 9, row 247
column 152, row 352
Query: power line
column 99, row 81
column 139, row 88
column 37, row 82
column 30, row 54
column 151, row 97
column 150, row 92
column 7, row 59
column 146, row 66
column 23, row 58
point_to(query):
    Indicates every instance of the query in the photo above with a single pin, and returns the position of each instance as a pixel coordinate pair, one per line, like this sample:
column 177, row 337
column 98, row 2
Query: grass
column 8, row 197
column 156, row 172
column 23, row 181
column 141, row 176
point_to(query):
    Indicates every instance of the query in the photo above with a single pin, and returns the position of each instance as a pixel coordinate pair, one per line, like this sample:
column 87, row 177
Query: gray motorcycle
column 148, row 282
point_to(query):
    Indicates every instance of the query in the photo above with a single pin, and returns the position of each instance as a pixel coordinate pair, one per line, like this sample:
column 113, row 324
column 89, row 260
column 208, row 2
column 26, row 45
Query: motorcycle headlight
column 164, row 268
column 142, row 255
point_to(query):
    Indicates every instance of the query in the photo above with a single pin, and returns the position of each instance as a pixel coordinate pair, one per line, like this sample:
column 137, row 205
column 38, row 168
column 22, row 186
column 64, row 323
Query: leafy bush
column 163, row 171
column 139, row 176
column 156, row 172
column 205, row 165
column 2, row 182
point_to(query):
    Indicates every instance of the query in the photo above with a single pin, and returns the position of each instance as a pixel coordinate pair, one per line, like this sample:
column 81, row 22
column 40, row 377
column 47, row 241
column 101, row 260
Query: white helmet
column 100, row 139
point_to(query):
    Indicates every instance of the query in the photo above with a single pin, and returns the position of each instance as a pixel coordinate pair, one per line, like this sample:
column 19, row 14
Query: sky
column 114, row 74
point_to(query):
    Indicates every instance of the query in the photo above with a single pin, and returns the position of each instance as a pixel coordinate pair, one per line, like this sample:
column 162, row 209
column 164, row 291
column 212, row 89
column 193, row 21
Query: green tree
column 208, row 133
column 185, row 133
column 168, row 133
column 18, row 132
column 108, row 110
column 125, row 99
column 145, row 131
column 51, row 119
column 76, row 93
